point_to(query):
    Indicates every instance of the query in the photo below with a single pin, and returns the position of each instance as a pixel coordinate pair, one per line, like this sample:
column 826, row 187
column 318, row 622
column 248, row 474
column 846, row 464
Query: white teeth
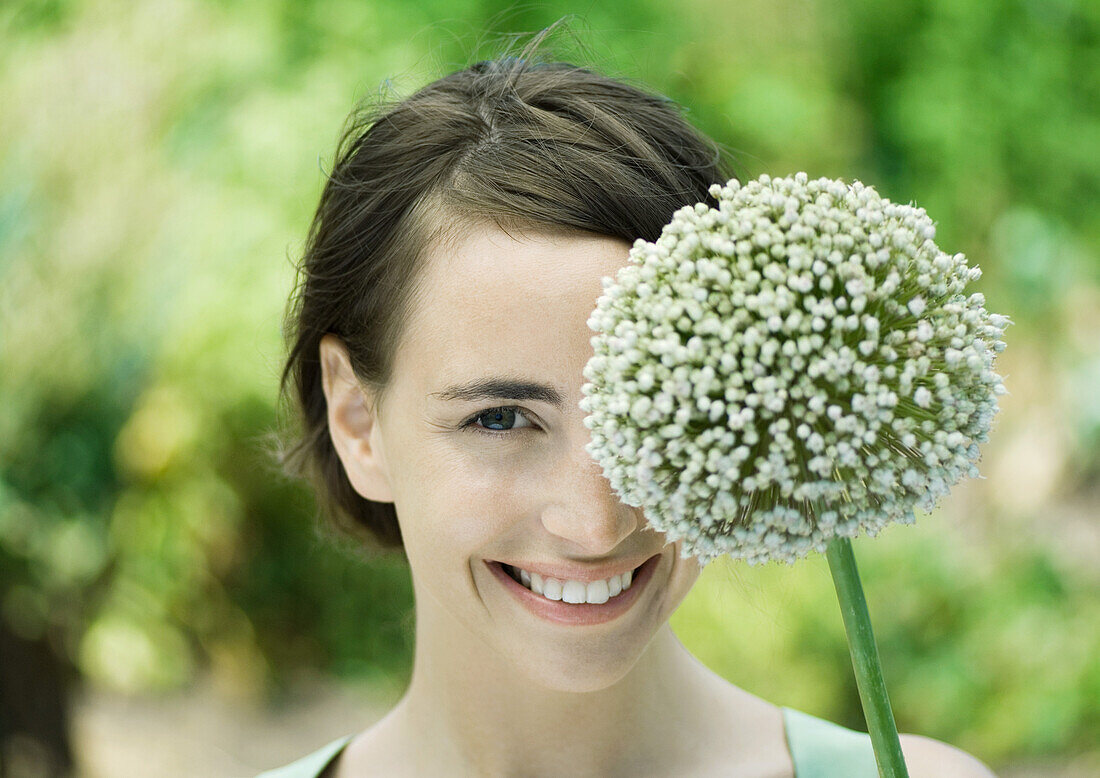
column 551, row 589
column 576, row 592
column 597, row 592
column 573, row 591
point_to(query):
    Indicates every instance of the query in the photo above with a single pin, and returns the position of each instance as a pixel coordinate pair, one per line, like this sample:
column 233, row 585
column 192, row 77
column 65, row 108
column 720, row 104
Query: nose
column 583, row 508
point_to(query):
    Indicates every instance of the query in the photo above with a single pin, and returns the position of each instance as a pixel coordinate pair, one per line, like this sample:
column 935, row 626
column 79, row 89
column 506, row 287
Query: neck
column 471, row 707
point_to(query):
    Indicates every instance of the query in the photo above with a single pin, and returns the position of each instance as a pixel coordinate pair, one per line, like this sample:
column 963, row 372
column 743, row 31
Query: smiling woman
column 438, row 340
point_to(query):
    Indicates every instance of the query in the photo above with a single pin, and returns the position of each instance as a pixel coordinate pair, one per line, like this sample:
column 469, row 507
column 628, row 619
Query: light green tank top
column 819, row 749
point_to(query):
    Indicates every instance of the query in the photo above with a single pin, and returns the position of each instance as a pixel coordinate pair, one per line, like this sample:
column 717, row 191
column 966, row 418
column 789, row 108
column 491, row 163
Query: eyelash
column 470, row 425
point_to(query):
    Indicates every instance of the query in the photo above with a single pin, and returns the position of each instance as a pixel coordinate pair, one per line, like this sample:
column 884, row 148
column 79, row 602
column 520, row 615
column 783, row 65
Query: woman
column 439, row 338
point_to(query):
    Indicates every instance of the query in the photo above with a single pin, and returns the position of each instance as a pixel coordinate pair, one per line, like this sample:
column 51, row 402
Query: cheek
column 452, row 506
column 687, row 573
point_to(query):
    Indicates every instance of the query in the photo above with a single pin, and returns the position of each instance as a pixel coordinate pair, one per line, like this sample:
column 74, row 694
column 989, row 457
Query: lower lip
column 580, row 613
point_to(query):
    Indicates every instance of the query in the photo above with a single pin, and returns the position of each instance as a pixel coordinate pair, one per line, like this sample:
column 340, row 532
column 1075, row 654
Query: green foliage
column 158, row 167
column 991, row 649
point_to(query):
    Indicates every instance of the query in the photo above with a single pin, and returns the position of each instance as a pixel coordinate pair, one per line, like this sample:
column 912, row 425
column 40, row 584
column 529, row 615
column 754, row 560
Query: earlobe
column 352, row 423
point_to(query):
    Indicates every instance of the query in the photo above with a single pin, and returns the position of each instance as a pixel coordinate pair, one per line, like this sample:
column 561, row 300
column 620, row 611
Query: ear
column 352, row 423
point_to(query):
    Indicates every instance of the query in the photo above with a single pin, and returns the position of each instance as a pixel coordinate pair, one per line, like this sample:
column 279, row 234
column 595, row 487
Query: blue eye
column 495, row 417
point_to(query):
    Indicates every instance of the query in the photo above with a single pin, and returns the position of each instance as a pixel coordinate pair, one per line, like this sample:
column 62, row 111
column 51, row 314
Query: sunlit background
column 166, row 605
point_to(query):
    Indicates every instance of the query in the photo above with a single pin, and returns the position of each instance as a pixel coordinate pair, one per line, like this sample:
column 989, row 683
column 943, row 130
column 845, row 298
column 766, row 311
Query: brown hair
column 545, row 147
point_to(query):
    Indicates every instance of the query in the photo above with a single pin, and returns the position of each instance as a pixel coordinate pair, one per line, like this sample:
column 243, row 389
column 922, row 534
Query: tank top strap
column 822, row 749
column 312, row 765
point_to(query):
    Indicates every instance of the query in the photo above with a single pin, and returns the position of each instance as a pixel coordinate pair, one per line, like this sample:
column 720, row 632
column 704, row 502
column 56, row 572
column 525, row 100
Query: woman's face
column 482, row 446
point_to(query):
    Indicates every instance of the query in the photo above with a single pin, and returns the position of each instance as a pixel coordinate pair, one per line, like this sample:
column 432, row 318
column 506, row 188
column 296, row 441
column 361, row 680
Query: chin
column 586, row 666
column 578, row 680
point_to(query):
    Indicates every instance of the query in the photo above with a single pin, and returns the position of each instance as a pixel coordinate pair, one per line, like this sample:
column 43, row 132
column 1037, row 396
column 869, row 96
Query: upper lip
column 565, row 571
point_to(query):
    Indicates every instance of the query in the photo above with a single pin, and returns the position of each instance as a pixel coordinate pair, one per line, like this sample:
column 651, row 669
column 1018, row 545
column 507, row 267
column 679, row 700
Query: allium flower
column 796, row 365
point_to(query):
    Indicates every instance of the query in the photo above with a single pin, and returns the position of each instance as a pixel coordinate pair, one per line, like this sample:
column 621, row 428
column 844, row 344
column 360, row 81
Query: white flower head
column 796, row 364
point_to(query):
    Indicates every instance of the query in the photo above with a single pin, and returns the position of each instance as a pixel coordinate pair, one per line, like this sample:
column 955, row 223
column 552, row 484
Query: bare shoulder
column 928, row 758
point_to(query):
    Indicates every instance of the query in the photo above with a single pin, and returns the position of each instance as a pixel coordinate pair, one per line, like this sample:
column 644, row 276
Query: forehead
column 494, row 301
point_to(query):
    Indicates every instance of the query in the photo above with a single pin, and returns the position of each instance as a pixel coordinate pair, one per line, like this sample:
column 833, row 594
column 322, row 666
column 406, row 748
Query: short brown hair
column 537, row 146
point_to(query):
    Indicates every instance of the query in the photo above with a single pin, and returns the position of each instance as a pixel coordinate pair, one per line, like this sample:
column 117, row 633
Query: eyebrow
column 502, row 389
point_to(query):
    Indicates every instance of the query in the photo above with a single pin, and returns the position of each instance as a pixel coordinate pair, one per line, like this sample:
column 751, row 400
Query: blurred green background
column 159, row 163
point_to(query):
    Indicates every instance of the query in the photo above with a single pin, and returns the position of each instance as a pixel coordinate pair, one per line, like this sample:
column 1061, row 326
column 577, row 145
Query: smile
column 576, row 592
column 568, row 602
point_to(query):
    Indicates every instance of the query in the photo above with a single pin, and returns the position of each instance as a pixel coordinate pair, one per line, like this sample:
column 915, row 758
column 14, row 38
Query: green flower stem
column 861, row 644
